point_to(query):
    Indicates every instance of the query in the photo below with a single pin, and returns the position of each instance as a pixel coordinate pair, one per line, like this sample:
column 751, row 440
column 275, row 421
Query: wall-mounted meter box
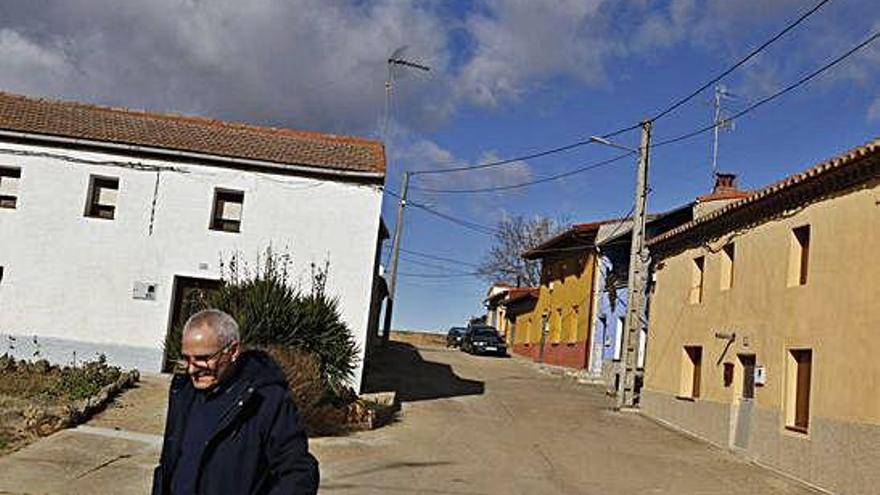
column 760, row 375
column 144, row 290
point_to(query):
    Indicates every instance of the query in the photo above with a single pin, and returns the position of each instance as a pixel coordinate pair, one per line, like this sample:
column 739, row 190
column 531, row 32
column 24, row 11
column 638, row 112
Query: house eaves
column 840, row 173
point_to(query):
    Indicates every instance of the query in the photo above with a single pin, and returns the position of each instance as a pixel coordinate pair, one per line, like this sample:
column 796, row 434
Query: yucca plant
column 273, row 312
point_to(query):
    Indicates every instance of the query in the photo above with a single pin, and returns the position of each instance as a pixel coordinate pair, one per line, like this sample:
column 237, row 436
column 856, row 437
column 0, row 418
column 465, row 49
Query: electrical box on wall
column 760, row 375
column 144, row 291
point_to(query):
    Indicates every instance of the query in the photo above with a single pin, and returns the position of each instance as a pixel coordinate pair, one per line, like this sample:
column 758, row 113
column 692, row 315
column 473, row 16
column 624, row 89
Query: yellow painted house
column 557, row 330
column 764, row 324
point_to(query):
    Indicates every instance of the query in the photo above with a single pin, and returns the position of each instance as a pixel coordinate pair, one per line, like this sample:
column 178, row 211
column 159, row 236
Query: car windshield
column 456, row 331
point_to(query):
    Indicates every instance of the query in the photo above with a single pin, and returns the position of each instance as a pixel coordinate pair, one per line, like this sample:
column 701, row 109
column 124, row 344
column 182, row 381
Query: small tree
column 513, row 237
column 273, row 312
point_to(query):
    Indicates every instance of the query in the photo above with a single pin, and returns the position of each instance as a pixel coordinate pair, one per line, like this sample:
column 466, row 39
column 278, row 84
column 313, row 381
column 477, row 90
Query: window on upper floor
column 728, row 257
column 226, row 215
column 797, row 394
column 799, row 256
column 696, row 293
column 691, row 371
column 101, row 200
column 9, row 178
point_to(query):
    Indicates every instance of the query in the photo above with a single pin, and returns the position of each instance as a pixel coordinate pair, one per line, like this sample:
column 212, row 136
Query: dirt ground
column 419, row 338
column 485, row 425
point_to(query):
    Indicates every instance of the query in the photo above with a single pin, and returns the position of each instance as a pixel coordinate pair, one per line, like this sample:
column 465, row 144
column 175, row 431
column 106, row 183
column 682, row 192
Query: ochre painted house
column 557, row 330
column 764, row 325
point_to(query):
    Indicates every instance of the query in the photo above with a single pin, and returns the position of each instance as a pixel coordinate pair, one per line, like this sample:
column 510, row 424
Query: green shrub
column 82, row 382
column 271, row 311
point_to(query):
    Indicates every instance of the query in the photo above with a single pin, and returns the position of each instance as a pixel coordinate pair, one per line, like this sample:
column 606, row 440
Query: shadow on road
column 400, row 367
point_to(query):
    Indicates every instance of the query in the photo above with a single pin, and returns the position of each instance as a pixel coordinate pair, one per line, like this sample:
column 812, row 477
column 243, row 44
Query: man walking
column 231, row 426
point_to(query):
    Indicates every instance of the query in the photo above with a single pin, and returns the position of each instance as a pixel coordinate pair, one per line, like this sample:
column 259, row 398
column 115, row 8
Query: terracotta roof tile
column 815, row 173
column 192, row 134
column 517, row 294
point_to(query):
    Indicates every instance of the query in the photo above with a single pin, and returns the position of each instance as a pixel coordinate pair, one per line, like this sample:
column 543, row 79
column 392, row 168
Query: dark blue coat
column 259, row 445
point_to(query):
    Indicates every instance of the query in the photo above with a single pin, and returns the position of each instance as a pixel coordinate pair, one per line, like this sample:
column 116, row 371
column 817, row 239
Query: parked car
column 483, row 339
column 453, row 338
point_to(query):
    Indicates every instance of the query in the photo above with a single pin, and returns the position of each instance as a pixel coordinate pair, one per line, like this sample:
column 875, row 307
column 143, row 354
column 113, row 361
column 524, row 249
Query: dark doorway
column 188, row 296
column 742, row 408
column 748, row 366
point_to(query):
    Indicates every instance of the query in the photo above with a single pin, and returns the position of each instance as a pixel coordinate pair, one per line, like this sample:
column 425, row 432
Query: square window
column 797, row 394
column 9, row 179
column 696, row 293
column 799, row 256
column 228, row 206
column 102, row 197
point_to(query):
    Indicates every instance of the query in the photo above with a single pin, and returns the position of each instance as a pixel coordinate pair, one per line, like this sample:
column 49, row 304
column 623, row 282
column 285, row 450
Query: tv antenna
column 720, row 121
column 396, row 62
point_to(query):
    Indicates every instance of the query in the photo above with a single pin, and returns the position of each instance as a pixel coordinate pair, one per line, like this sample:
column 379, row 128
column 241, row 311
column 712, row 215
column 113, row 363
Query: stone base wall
column 705, row 419
column 838, row 456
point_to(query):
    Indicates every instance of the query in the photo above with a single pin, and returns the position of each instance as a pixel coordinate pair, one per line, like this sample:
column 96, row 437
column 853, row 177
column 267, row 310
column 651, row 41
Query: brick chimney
column 724, row 183
column 725, row 191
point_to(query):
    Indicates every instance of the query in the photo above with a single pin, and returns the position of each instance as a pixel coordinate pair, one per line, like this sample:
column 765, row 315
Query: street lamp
column 601, row 140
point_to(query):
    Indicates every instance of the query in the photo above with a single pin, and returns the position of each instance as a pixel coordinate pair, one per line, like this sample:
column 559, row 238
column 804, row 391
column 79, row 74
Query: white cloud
column 421, row 154
column 518, row 43
column 873, row 113
column 306, row 63
column 320, row 64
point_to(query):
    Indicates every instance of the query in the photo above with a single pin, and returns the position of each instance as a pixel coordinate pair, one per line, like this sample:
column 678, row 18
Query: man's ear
column 235, row 350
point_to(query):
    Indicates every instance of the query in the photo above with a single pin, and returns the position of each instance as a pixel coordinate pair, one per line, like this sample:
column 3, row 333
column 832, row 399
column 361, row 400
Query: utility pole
column 395, row 60
column 637, row 282
column 395, row 255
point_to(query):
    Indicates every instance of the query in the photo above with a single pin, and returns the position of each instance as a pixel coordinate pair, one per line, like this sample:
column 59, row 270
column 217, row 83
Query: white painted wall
column 70, row 277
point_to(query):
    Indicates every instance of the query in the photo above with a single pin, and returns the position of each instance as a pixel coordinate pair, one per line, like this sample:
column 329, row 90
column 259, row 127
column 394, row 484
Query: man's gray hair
column 225, row 325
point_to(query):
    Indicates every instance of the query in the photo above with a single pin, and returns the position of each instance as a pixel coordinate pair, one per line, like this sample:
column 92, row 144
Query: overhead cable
column 740, row 63
column 482, row 229
column 436, row 257
column 775, row 95
column 538, row 154
column 666, row 111
column 549, row 178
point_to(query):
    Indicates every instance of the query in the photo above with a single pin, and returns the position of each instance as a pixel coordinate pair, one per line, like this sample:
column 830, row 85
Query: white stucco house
column 109, row 215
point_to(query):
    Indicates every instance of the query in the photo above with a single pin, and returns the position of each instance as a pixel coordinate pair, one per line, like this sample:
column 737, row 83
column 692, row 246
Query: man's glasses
column 202, row 361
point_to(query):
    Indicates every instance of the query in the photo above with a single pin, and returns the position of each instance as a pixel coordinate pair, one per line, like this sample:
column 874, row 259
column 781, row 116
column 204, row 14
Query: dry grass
column 34, row 397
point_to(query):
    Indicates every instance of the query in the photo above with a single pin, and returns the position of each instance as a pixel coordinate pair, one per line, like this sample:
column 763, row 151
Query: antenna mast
column 720, row 122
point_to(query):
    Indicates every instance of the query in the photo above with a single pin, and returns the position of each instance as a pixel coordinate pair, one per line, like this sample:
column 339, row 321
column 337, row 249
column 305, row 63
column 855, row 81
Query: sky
column 507, row 78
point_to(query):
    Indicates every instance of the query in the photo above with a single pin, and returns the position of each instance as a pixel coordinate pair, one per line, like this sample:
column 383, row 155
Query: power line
column 672, row 107
column 481, row 229
column 537, row 154
column 683, row 137
column 585, row 168
column 438, row 258
column 742, row 61
column 439, row 275
column 425, row 264
column 777, row 94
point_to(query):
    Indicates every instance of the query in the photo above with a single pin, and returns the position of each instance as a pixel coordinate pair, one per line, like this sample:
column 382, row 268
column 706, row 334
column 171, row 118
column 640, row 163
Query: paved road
column 469, row 425
column 476, row 425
